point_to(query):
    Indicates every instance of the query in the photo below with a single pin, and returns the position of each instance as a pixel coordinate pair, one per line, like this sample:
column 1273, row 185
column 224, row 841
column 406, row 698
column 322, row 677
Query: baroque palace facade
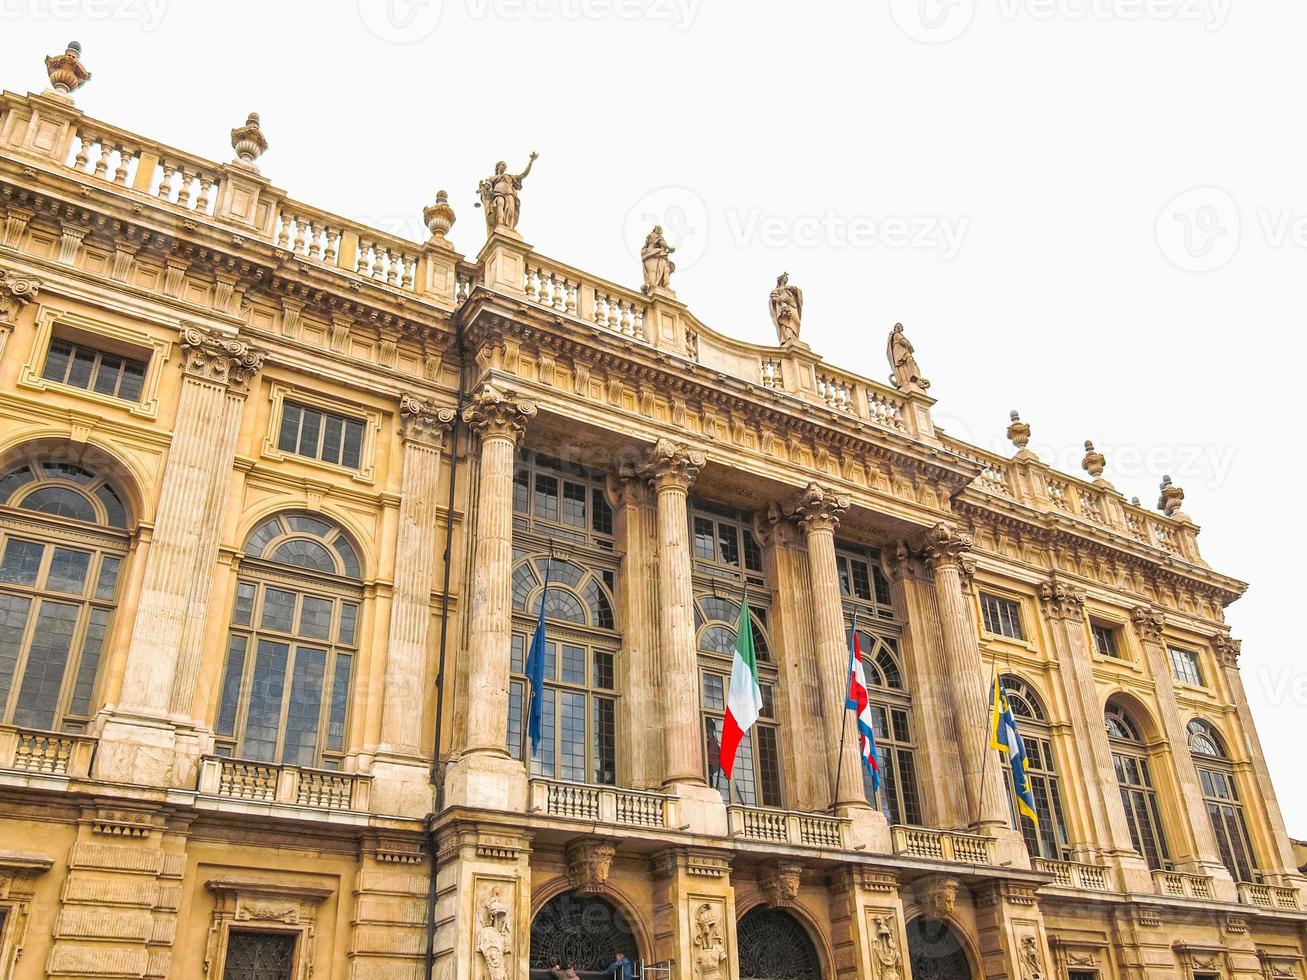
column 278, row 497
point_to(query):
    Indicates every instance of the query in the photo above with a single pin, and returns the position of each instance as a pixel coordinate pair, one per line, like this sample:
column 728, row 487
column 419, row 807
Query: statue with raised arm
column 786, row 310
column 657, row 258
column 498, row 194
column 899, row 352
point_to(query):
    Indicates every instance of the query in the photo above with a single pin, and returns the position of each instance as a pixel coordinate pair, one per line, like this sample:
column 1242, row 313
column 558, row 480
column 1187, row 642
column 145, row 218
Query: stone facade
column 225, row 397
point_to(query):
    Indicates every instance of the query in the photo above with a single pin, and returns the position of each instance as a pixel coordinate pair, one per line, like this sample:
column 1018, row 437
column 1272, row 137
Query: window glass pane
column 571, row 711
column 133, row 380
column 106, row 379
column 339, row 703
column 542, row 762
column 714, row 697
column 573, row 664
column 107, row 583
column 13, row 625
column 267, row 689
column 769, row 768
column 349, row 560
column 68, row 571
column 603, row 670
column 352, row 454
column 92, row 647
column 47, row 657
column 56, row 361
column 574, row 504
column 243, row 611
column 907, row 773
column 315, row 617
column 13, row 480
column 303, row 553
column 752, row 552
column 705, row 546
column 288, row 439
column 83, row 363
column 22, row 562
column 278, row 610
column 729, row 543
column 712, row 734
column 229, row 702
column 517, row 655
column 522, row 491
column 546, row 500
column 564, row 606
column 605, row 742
column 514, row 735
column 348, row 623
column 310, row 433
column 333, row 432
column 602, row 512
column 305, row 709
column 259, row 955
column 742, row 780
column 60, row 502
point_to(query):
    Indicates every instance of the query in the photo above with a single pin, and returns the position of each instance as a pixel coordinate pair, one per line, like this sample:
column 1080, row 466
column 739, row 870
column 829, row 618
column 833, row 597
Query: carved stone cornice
column 1062, row 601
column 947, row 547
column 15, row 293
column 495, row 413
column 672, row 465
column 423, row 421
column 216, row 357
column 589, row 861
column 780, row 883
column 1149, row 623
column 818, row 508
column 1227, row 649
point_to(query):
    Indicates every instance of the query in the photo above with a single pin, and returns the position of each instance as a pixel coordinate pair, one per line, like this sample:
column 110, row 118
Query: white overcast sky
column 1104, row 200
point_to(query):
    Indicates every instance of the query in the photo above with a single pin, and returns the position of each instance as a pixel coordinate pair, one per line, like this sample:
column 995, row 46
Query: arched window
column 1135, row 779
column 1049, row 840
column 756, row 779
column 891, row 711
column 292, row 644
column 579, row 709
column 1222, row 799
column 63, row 541
column 773, row 945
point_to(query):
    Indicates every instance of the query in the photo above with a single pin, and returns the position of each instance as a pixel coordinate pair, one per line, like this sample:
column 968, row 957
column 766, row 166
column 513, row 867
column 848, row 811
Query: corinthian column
column 948, row 556
column 400, row 784
column 138, row 743
column 818, row 511
column 672, row 469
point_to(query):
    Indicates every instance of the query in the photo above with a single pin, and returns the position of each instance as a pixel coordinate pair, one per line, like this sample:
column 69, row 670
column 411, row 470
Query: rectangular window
column 311, row 432
column 1184, row 665
column 259, row 956
column 1105, row 640
column 95, row 370
column 1002, row 616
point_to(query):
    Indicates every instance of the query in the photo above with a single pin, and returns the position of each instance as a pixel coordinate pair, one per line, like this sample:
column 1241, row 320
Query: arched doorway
column 773, row 945
column 583, row 930
column 935, row 952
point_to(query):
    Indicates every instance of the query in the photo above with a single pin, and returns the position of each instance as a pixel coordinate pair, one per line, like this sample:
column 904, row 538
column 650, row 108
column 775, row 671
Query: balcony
column 258, row 782
column 942, row 845
column 787, row 827
column 1177, row 885
column 602, row 804
column 45, row 753
column 1073, row 874
column 1269, row 896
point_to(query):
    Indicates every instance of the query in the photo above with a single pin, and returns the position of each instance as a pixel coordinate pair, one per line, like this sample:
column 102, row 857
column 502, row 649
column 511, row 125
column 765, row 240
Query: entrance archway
column 773, row 945
column 583, row 930
column 935, row 952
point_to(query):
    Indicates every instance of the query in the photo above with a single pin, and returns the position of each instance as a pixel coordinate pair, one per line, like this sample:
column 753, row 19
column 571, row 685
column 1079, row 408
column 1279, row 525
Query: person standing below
column 620, row 968
column 564, row 972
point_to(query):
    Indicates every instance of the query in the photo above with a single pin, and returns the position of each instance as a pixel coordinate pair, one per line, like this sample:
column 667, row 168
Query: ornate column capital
column 899, row 562
column 947, row 547
column 494, row 412
column 1227, row 649
column 213, row 356
column 817, row 508
column 1062, row 601
column 773, row 528
column 423, row 421
column 627, row 488
column 15, row 293
column 672, row 464
column 1148, row 622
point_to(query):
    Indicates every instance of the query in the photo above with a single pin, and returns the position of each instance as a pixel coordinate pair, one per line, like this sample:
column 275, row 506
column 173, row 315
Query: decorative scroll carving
column 1062, row 601
column 1149, row 622
column 588, row 864
column 885, row 948
column 1227, row 649
column 780, row 883
column 212, row 355
column 494, row 939
column 497, row 413
column 15, row 293
column 424, row 420
column 672, row 464
column 818, row 508
column 710, row 948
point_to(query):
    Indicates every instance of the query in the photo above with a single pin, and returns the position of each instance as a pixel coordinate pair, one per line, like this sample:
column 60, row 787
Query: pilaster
column 388, row 933
column 867, row 924
column 694, row 914
column 1010, row 931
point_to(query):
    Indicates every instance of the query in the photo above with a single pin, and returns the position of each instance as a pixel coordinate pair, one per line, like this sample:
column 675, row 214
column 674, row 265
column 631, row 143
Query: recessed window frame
column 1006, row 611
column 1186, row 665
column 1108, row 640
column 280, row 392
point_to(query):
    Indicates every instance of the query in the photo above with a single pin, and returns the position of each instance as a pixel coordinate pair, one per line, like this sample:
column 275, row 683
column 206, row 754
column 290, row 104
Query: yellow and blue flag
column 1005, row 737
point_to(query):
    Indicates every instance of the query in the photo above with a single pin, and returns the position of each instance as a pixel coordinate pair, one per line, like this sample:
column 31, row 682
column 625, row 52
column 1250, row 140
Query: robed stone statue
column 657, row 259
column 498, row 194
column 786, row 310
column 899, row 352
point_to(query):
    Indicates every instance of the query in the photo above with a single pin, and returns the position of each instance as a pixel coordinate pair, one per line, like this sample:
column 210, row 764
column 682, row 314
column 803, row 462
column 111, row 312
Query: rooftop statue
column 786, row 310
column 657, row 258
column 499, row 196
column 903, row 363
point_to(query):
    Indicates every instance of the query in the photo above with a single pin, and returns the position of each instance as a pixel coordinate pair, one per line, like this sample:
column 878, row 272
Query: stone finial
column 1094, row 462
column 1018, row 432
column 439, row 218
column 1134, row 501
column 248, row 141
column 66, row 71
column 1171, row 498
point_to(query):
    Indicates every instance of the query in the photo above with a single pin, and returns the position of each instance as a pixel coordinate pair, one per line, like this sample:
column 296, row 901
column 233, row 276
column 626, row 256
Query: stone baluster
column 159, row 680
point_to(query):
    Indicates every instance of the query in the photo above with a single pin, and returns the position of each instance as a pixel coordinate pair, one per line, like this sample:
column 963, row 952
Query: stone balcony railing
column 603, row 804
column 45, row 753
column 259, row 782
column 1074, row 874
column 942, row 845
column 1269, row 896
column 787, row 827
column 1178, row 885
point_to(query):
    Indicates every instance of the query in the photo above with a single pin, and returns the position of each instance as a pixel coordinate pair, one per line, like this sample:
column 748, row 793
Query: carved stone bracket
column 780, row 883
column 1148, row 622
column 817, row 508
column 15, row 293
column 1062, row 601
column 946, row 546
column 588, row 862
column 773, row 528
column 216, row 357
column 672, row 464
column 939, row 894
column 423, row 421
column 497, row 413
column 627, row 488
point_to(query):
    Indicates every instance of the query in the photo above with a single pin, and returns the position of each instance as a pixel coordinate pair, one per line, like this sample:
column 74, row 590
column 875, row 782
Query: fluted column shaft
column 423, row 427
column 948, row 557
column 501, row 420
column 672, row 469
column 168, row 631
column 818, row 512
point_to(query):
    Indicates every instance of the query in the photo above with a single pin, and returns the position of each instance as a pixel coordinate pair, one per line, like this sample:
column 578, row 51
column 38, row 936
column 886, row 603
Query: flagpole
column 528, row 690
column 989, row 734
column 844, row 731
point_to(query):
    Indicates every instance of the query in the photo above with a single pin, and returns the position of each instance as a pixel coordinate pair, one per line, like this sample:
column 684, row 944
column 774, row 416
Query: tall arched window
column 1049, row 840
column 292, row 644
column 579, row 709
column 1135, row 779
column 1222, row 799
column 756, row 779
column 63, row 541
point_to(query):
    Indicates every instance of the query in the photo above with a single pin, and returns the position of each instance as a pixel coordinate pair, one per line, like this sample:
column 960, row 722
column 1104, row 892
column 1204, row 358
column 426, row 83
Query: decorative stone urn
column 439, row 217
column 248, row 141
column 66, row 71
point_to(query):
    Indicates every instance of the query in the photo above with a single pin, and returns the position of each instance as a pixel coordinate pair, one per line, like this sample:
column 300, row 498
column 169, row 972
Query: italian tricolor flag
column 744, row 699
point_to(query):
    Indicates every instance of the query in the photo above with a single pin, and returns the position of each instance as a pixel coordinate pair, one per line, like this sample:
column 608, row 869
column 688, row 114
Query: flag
column 859, row 702
column 744, row 699
column 535, row 670
column 1005, row 737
